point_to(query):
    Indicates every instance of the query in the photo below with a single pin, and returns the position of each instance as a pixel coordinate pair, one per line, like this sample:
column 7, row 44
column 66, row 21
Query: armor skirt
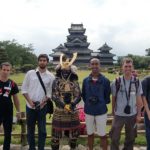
column 65, row 122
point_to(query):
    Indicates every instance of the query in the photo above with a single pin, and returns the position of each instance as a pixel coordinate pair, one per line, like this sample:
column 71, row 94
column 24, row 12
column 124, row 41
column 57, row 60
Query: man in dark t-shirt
column 8, row 89
column 146, row 102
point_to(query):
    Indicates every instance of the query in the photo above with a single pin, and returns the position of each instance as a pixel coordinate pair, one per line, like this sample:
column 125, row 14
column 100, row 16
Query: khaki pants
column 130, row 132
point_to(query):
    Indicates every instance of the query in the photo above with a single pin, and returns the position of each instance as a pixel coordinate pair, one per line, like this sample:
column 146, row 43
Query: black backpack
column 118, row 82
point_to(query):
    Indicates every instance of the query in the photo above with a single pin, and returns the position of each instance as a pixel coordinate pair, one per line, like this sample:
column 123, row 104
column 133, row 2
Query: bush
column 27, row 67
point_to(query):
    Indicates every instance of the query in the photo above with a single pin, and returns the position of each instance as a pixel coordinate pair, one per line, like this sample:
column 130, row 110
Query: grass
column 18, row 78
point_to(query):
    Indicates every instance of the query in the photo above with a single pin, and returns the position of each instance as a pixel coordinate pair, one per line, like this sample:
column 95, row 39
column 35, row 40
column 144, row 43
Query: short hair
column 43, row 56
column 5, row 64
column 95, row 58
column 127, row 60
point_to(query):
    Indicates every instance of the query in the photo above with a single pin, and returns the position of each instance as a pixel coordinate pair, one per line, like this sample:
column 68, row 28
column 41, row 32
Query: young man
column 66, row 95
column 96, row 96
column 8, row 89
column 146, row 101
column 126, row 106
column 36, row 100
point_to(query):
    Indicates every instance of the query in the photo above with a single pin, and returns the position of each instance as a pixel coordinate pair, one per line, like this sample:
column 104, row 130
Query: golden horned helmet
column 67, row 62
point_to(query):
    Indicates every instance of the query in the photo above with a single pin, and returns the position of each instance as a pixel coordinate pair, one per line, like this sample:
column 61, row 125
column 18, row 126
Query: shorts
column 97, row 122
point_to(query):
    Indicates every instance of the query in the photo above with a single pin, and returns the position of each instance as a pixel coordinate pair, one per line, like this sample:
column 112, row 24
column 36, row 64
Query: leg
column 41, row 128
column 101, row 129
column 147, row 126
column 73, row 138
column 89, row 119
column 7, row 124
column 31, row 120
column 55, row 144
column 115, row 132
column 90, row 141
column 104, row 142
column 73, row 143
column 130, row 132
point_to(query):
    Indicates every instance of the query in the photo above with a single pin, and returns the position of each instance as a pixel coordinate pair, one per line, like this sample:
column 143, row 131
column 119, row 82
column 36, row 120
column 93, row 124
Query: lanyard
column 127, row 92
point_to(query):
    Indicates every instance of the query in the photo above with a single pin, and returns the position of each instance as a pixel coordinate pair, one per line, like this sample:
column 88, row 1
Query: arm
column 56, row 96
column 146, row 107
column 113, row 91
column 139, row 104
column 49, row 88
column 29, row 100
column 113, row 104
column 83, row 91
column 107, row 91
column 77, row 94
column 17, row 105
column 24, row 89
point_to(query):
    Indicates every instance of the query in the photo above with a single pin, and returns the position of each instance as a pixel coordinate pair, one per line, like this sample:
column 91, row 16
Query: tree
column 147, row 52
column 19, row 54
column 138, row 61
column 3, row 55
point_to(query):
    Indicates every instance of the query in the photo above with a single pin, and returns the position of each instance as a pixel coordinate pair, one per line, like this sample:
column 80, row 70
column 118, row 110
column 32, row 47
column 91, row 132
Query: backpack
column 118, row 82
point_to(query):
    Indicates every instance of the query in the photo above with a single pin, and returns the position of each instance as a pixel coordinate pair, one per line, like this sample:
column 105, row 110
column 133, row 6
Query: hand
column 148, row 114
column 67, row 108
column 18, row 115
column 113, row 113
column 31, row 103
column 43, row 103
column 138, row 118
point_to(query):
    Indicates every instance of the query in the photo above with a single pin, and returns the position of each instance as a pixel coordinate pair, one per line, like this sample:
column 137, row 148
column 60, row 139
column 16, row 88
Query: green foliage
column 147, row 52
column 3, row 55
column 27, row 67
column 139, row 61
column 19, row 54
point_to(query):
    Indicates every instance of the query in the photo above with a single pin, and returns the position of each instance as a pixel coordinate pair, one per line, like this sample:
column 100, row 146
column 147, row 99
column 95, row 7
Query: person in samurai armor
column 66, row 95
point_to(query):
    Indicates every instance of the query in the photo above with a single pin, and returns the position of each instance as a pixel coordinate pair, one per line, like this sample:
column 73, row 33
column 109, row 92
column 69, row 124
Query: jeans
column 147, row 127
column 33, row 116
column 6, row 118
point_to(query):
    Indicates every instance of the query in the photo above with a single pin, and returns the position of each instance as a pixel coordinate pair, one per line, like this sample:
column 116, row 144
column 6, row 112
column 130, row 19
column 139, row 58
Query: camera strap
column 127, row 92
column 93, row 93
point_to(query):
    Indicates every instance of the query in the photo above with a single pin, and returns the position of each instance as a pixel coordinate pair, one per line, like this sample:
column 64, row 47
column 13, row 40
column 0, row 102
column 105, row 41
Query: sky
column 123, row 24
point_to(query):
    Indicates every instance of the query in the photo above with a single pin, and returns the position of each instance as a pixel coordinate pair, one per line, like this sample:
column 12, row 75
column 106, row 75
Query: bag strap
column 137, row 83
column 41, row 81
column 117, row 84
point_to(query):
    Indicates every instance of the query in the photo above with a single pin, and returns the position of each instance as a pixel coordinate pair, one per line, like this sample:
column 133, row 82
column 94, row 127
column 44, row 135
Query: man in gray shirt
column 126, row 106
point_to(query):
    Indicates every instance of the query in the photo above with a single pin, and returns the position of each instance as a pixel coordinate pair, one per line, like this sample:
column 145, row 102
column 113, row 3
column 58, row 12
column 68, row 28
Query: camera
column 37, row 105
column 127, row 109
column 93, row 100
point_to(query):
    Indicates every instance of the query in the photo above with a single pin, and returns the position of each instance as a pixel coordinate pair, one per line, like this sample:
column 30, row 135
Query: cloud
column 123, row 24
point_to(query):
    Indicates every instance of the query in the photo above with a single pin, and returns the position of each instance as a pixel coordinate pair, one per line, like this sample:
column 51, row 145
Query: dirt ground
column 66, row 147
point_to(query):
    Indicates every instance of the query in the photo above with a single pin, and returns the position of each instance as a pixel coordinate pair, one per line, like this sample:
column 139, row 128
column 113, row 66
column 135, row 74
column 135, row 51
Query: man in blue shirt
column 96, row 96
